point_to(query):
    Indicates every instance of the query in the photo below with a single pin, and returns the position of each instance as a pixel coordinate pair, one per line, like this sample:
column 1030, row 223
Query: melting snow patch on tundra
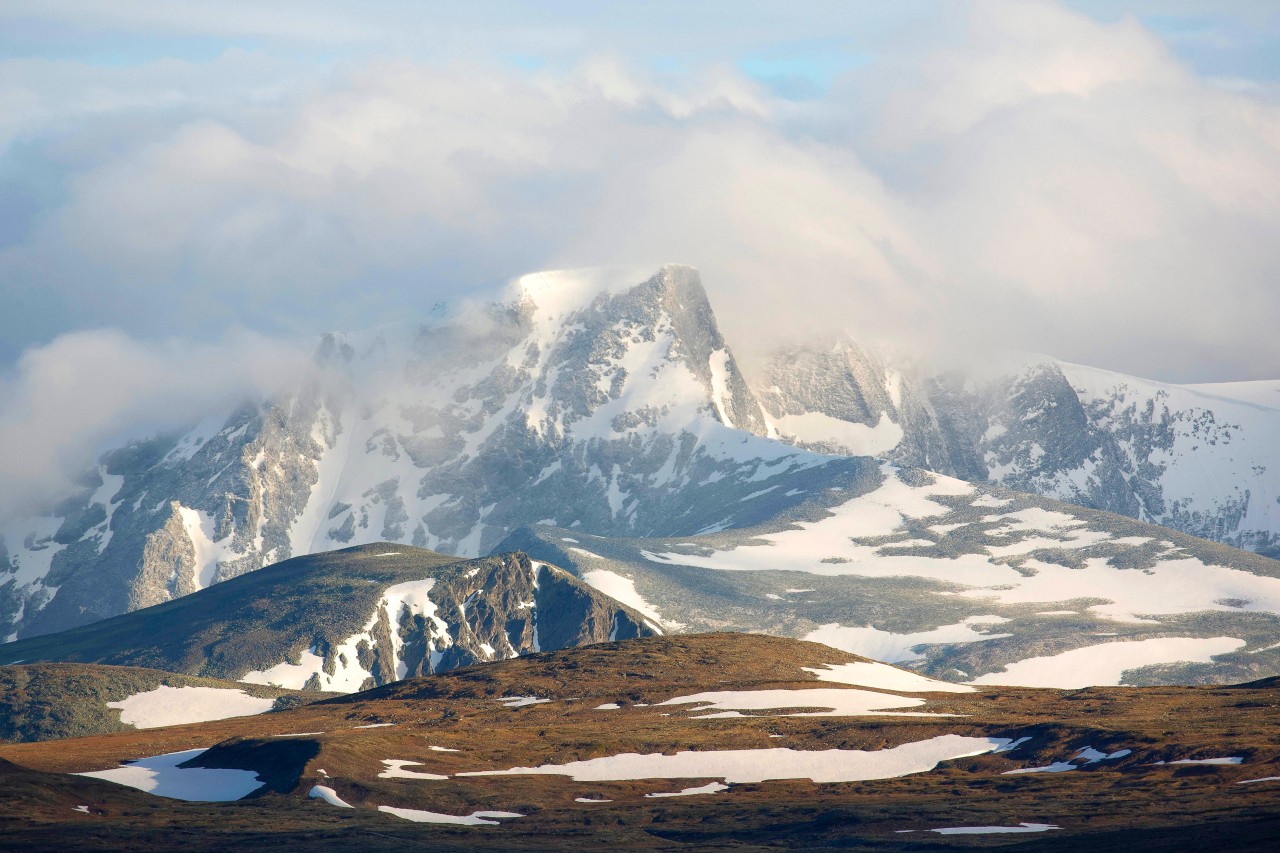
column 395, row 769
column 473, row 819
column 760, row 765
column 1106, row 663
column 521, row 701
column 842, row 702
column 709, row 788
column 1092, row 756
column 161, row 775
column 884, row 677
column 898, row 648
column 173, row 706
column 330, row 796
column 986, row 830
column 1235, row 759
column 1055, row 767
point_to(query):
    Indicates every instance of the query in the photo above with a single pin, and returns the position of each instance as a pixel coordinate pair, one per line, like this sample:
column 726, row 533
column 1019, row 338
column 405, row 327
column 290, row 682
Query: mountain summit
column 592, row 400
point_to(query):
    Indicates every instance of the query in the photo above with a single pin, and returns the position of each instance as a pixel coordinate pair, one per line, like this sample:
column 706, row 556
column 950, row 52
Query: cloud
column 87, row 391
column 1024, row 175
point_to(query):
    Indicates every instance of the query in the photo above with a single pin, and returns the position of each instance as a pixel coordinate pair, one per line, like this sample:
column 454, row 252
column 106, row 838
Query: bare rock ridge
column 352, row 619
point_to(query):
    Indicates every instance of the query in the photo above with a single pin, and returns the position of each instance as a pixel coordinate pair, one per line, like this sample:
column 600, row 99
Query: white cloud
column 85, row 391
column 1033, row 177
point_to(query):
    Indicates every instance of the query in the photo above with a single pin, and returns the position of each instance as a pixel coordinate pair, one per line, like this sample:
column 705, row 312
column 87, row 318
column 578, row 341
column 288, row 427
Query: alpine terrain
column 599, row 421
column 702, row 742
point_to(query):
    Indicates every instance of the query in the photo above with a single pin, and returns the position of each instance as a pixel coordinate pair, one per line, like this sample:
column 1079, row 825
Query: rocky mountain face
column 352, row 619
column 608, row 403
column 1199, row 459
column 603, row 401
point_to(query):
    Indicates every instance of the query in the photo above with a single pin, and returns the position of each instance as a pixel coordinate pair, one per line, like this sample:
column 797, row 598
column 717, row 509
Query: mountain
column 607, row 401
column 1202, row 459
column 706, row 742
column 964, row 582
column 350, row 619
column 45, row 701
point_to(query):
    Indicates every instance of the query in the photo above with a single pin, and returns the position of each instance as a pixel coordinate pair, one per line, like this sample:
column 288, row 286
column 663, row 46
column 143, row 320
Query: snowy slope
column 1201, row 459
column 962, row 581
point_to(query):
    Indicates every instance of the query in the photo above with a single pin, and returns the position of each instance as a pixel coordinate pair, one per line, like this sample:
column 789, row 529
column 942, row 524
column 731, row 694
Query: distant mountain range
column 608, row 404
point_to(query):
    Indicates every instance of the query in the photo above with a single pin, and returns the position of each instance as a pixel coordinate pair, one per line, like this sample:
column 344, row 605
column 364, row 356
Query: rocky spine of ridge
column 351, row 620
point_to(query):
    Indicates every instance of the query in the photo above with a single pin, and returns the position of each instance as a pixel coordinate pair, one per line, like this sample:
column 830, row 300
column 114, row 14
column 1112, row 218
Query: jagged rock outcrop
column 353, row 619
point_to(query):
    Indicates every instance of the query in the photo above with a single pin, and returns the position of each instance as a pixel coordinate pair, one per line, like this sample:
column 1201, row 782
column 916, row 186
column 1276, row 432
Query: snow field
column 709, row 788
column 161, row 775
column 879, row 675
column 395, row 769
column 842, row 702
column 330, row 796
column 990, row 830
column 1106, row 663
column 172, row 706
column 760, row 765
column 473, row 819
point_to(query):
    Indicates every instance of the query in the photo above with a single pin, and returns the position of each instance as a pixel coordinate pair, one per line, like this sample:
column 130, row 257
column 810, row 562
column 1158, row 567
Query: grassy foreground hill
column 699, row 742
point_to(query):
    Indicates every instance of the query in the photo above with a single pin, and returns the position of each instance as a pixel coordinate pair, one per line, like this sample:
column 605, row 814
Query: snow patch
column 623, row 589
column 395, row 769
column 161, row 775
column 989, row 830
column 1106, row 663
column 884, row 677
column 857, row 439
column 843, row 702
column 330, row 796
column 709, row 788
column 173, row 706
column 887, row 646
column 473, row 819
column 761, row 765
